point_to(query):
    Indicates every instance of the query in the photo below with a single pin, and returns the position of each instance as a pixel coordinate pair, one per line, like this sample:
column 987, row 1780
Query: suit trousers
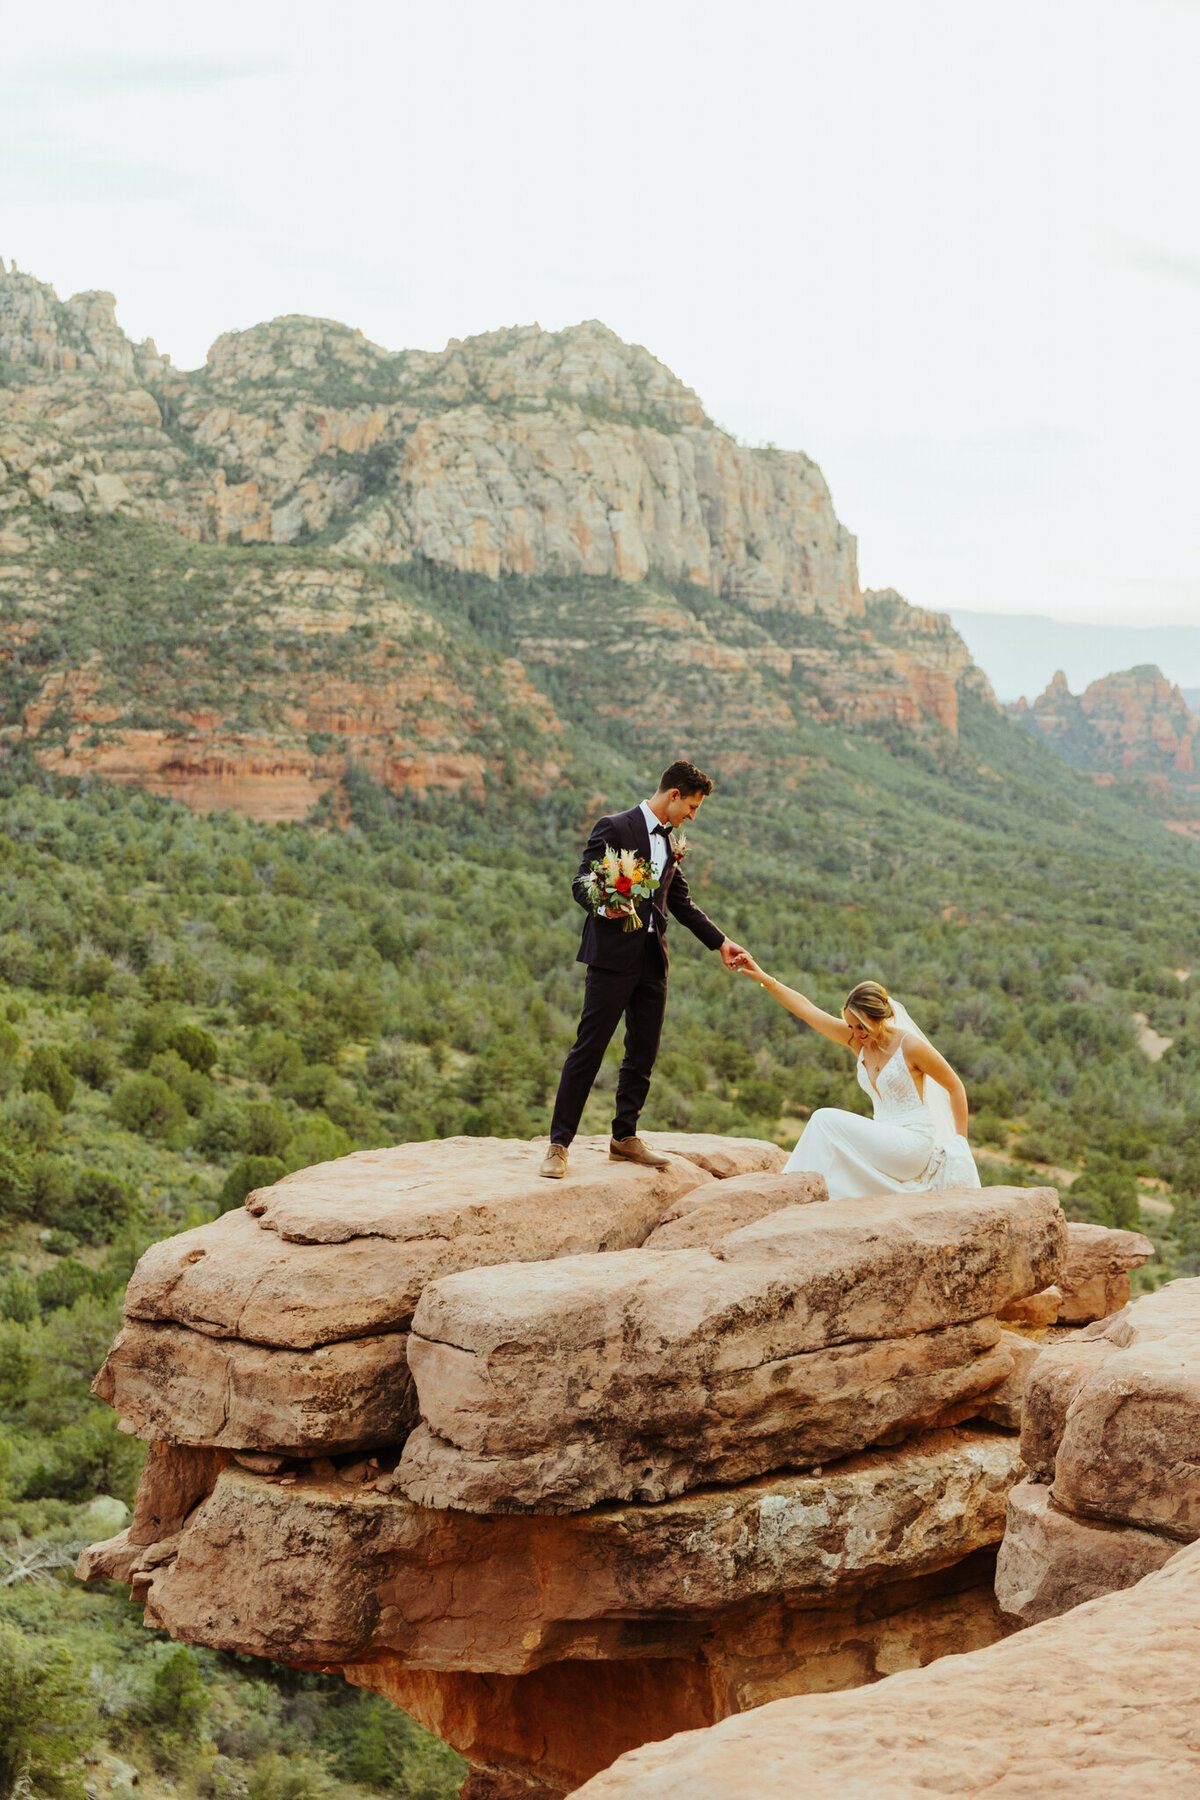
column 641, row 997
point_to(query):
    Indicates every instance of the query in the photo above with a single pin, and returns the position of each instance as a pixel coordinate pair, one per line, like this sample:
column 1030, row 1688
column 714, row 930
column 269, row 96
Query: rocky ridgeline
column 1132, row 723
column 521, row 453
column 561, row 1469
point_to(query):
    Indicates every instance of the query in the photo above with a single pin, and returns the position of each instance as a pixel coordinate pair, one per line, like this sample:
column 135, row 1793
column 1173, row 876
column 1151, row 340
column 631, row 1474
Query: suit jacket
column 605, row 943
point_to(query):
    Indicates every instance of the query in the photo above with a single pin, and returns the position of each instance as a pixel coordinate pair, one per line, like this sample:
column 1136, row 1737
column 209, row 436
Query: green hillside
column 190, row 1005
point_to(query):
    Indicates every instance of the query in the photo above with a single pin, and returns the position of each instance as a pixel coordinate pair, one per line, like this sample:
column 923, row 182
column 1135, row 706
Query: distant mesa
column 285, row 541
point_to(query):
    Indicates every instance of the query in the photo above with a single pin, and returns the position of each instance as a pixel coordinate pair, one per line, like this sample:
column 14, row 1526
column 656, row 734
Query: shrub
column 194, row 1090
column 252, row 1172
column 149, row 1037
column 63, row 1283
column 91, row 1457
column 276, row 1777
column 318, row 1140
column 18, row 1297
column 321, row 1038
column 220, row 1131
column 92, row 1061
column 989, row 1128
column 371, row 1742
column 48, row 1187
column 47, row 1073
column 97, row 1208
column 311, row 1085
column 765, row 1098
column 147, row 1105
column 32, row 1121
column 91, row 975
column 46, row 1721
column 13, row 1192
column 266, row 1131
column 197, row 1047
column 1104, row 1198
column 175, row 1710
column 276, row 1057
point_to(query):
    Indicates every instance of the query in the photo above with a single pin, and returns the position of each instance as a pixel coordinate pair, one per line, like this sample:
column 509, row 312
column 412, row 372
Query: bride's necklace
column 874, row 1074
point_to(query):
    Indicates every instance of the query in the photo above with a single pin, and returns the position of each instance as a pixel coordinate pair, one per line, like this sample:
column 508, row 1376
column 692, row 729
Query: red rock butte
column 565, row 1469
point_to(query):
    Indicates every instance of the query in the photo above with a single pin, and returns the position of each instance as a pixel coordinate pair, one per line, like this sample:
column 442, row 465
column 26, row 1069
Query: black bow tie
column 661, row 831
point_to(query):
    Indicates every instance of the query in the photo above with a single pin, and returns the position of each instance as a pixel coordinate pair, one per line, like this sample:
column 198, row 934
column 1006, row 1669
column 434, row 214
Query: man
column 627, row 970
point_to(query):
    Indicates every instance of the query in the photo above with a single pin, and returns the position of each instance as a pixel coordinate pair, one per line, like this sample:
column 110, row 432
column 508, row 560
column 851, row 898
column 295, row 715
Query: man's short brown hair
column 686, row 777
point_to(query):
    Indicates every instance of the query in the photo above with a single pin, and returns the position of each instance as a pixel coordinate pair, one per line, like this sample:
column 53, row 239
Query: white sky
column 950, row 249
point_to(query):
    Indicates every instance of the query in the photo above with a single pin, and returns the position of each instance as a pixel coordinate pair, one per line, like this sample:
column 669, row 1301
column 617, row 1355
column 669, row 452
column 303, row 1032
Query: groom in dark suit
column 627, row 970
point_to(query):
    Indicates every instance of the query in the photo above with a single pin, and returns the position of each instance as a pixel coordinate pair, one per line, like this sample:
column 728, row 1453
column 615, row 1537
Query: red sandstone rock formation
column 264, row 1358
column 1101, row 1701
column 1112, row 1439
column 1134, row 722
column 519, row 452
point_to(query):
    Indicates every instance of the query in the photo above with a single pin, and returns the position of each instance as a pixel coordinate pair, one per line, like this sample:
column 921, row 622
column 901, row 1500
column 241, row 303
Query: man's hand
column 730, row 953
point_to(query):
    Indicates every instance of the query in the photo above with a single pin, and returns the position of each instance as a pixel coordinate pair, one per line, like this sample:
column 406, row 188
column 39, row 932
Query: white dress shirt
column 658, row 849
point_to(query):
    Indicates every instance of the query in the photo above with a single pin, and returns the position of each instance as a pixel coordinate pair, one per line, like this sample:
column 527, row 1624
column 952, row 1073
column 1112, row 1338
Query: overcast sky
column 950, row 249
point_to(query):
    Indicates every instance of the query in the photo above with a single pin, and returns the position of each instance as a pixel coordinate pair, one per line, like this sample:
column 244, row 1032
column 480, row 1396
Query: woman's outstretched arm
column 921, row 1055
column 826, row 1023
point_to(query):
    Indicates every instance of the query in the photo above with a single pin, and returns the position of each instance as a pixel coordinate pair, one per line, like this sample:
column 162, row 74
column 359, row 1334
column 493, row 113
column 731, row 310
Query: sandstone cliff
column 1133, row 723
column 570, row 469
column 559, row 1472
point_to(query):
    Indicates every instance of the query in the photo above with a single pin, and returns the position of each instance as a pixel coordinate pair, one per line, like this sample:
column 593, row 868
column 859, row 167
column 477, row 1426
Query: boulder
column 1130, row 1446
column 1050, row 1561
column 1060, row 1369
column 343, row 1250
column 700, row 1220
column 265, row 1566
column 1035, row 1312
column 808, row 1334
column 281, row 1327
column 724, row 1157
column 1005, row 1405
column 177, row 1385
column 1095, row 1281
column 1101, row 1701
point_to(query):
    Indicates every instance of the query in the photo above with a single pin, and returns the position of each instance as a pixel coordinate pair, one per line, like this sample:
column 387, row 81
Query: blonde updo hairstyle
column 869, row 1004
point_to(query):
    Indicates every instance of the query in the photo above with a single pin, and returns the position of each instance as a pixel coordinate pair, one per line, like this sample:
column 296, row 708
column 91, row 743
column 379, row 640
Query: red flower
column 624, row 885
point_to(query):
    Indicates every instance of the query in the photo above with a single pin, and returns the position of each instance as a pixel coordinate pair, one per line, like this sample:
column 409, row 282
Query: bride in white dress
column 917, row 1139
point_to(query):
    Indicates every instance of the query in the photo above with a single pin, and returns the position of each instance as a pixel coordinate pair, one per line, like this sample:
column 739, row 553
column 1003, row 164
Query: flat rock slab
column 264, row 1567
column 171, row 1384
column 724, row 1157
column 1100, row 1702
column 343, row 1250
column 637, row 1375
column 1051, row 1561
column 702, row 1218
column 1114, row 1420
column 1095, row 1281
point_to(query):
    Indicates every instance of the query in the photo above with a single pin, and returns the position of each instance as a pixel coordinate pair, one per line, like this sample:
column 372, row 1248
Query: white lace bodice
column 894, row 1095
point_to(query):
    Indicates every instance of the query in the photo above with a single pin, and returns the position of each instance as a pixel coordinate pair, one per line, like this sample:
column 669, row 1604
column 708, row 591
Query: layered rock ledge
column 1101, row 1701
column 805, row 1336
column 705, row 1438
column 1111, row 1437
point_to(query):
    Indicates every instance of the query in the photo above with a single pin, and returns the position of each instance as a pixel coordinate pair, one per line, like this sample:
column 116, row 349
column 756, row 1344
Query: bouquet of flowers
column 617, row 882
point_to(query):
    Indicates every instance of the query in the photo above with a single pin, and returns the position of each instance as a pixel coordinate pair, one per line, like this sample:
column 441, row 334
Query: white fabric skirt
column 860, row 1156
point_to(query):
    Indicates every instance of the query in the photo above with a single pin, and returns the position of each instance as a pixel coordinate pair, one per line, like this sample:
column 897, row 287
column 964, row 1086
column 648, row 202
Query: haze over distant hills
column 1021, row 652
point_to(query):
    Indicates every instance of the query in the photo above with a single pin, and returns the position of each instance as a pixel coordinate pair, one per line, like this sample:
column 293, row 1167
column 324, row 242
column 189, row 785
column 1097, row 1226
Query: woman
column 917, row 1139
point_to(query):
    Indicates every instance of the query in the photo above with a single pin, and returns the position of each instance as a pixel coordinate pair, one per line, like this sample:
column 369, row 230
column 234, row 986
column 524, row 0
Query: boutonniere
column 678, row 846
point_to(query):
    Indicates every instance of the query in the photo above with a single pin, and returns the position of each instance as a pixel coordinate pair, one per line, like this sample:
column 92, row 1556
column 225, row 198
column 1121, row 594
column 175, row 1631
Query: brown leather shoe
column 633, row 1150
column 554, row 1163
